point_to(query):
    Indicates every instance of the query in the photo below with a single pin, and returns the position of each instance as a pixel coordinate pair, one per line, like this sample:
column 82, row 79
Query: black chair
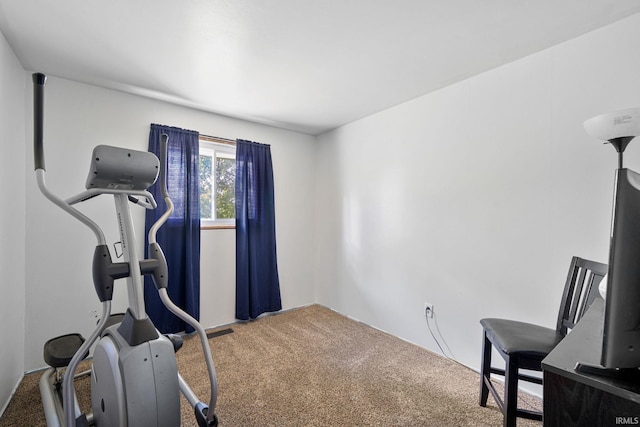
column 524, row 345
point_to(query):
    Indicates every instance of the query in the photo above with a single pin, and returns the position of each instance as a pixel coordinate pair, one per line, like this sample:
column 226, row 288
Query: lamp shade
column 617, row 124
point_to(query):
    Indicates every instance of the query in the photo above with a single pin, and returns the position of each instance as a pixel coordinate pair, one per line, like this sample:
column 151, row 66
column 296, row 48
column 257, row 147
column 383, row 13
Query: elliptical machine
column 134, row 376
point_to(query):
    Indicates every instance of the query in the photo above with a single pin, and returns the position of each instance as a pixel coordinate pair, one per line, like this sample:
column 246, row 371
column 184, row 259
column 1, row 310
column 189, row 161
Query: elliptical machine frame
column 134, row 376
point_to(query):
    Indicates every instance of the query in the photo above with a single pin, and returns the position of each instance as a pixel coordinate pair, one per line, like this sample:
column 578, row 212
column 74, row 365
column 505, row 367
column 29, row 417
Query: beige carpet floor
column 314, row 367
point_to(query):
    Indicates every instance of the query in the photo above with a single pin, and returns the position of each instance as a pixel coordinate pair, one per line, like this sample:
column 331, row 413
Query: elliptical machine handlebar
column 39, row 81
column 164, row 141
column 162, row 178
column 205, row 414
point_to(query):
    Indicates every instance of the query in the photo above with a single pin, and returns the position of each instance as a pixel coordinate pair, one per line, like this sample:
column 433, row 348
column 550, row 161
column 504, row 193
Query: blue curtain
column 257, row 283
column 180, row 235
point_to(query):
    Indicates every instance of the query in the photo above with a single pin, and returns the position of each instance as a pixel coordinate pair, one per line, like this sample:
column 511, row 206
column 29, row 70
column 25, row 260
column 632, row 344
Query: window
column 217, row 184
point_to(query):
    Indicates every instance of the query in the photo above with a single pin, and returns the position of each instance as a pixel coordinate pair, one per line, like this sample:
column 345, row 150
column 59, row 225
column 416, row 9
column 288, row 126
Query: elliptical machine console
column 119, row 168
column 134, row 375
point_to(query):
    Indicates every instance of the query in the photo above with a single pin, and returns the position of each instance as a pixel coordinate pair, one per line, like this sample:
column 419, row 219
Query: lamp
column 618, row 128
column 620, row 333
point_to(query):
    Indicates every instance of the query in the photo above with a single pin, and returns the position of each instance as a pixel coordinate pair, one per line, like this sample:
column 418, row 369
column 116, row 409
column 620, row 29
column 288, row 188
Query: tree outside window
column 217, row 175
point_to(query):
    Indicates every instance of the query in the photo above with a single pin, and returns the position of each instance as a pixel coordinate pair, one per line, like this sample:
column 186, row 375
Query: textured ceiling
column 303, row 65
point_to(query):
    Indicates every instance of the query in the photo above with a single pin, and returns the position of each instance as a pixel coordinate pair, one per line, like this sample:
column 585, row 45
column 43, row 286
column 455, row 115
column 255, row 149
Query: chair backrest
column 580, row 290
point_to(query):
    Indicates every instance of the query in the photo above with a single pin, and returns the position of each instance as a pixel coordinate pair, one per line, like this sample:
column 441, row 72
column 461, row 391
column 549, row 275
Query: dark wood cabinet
column 573, row 398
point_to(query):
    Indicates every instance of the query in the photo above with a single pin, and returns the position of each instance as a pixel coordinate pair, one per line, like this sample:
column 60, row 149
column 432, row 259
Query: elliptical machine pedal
column 59, row 351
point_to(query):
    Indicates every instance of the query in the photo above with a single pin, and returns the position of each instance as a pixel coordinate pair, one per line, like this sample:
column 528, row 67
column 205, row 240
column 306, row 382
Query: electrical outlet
column 428, row 310
column 93, row 315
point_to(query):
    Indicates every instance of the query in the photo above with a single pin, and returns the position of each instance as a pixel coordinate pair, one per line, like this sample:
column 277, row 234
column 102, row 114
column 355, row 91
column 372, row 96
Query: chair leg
column 510, row 392
column 485, row 369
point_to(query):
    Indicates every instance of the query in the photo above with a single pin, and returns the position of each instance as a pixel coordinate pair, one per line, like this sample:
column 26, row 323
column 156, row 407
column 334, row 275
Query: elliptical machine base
column 119, row 366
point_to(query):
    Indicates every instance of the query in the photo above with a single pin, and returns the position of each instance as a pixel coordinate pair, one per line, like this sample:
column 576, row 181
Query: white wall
column 12, row 222
column 59, row 295
column 475, row 197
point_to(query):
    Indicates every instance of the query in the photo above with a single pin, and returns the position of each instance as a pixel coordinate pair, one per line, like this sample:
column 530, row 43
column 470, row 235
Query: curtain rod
column 217, row 139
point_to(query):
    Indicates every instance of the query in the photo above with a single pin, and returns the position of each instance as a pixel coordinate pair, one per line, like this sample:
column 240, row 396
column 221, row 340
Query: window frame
column 216, row 147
